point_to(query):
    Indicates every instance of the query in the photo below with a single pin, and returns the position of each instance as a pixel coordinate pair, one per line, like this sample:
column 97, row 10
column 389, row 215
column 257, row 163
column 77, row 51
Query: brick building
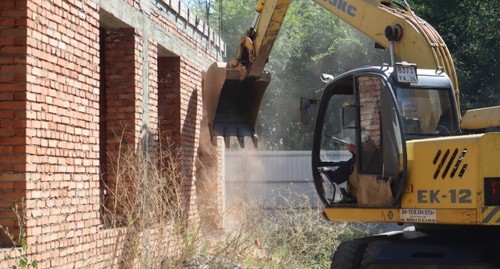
column 73, row 75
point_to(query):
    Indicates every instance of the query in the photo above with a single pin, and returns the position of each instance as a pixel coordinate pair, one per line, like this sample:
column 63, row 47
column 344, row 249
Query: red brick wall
column 169, row 93
column 123, row 93
column 123, row 106
column 50, row 144
column 190, row 118
column 179, row 113
column 369, row 92
column 62, row 199
column 13, row 110
column 153, row 101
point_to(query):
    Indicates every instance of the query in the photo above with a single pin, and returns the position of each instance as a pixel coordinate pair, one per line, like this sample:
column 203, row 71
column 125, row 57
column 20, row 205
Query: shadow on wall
column 208, row 183
column 147, row 203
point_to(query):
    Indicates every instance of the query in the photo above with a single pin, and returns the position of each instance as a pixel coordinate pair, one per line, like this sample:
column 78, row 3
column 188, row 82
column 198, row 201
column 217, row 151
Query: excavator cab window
column 349, row 114
column 380, row 143
column 427, row 112
column 358, row 125
column 339, row 128
column 339, row 117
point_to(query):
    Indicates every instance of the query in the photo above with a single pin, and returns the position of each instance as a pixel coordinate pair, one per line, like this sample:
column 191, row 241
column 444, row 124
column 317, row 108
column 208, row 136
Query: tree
column 471, row 30
column 312, row 41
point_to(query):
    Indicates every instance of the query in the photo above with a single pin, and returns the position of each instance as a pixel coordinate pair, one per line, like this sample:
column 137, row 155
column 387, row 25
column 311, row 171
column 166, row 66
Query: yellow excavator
column 389, row 143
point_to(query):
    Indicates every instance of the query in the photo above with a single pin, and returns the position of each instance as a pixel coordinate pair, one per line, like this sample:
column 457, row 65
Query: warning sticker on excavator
column 418, row 215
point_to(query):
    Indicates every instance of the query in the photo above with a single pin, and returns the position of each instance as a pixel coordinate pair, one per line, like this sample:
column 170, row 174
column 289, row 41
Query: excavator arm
column 416, row 41
column 232, row 91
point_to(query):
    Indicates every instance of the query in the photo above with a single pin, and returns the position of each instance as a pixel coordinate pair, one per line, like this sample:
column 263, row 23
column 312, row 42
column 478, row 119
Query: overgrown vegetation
column 144, row 198
column 287, row 238
column 301, row 238
column 19, row 240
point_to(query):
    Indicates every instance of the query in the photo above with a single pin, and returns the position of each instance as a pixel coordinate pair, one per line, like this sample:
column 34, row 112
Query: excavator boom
column 408, row 161
column 420, row 43
column 232, row 91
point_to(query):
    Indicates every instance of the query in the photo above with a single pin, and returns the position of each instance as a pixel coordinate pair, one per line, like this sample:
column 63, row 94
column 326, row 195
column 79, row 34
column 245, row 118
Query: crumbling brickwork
column 369, row 92
column 78, row 78
column 370, row 124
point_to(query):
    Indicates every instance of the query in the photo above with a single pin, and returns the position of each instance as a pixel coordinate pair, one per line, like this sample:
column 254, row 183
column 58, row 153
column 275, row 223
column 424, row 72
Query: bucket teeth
column 241, row 141
column 255, row 140
column 232, row 104
column 214, row 140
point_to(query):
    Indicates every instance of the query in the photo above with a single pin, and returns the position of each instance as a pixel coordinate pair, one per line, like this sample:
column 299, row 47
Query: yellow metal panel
column 438, row 216
column 456, row 216
column 490, row 155
column 363, row 214
column 481, row 118
column 445, row 184
column 443, row 173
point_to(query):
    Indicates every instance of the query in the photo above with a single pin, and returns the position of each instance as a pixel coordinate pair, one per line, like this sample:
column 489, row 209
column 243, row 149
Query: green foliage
column 313, row 41
column 19, row 241
column 471, row 30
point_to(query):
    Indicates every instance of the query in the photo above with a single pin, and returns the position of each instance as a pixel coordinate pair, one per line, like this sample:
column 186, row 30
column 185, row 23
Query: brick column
column 179, row 114
column 191, row 115
column 122, row 119
column 152, row 91
column 371, row 156
column 369, row 92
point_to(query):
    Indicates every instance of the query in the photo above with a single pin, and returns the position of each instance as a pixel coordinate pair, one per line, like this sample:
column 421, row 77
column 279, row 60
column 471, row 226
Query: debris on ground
column 208, row 262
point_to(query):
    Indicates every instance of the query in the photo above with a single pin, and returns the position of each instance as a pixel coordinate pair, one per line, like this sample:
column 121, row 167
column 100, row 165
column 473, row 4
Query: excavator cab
column 364, row 119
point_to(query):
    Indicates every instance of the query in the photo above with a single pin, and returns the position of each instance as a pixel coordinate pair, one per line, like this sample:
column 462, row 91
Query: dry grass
column 18, row 239
column 295, row 236
column 144, row 198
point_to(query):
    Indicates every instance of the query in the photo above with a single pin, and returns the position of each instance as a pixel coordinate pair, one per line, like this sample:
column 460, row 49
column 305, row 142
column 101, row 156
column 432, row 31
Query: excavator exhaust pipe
column 232, row 104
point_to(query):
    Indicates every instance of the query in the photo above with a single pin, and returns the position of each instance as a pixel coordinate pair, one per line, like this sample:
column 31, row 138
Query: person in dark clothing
column 342, row 173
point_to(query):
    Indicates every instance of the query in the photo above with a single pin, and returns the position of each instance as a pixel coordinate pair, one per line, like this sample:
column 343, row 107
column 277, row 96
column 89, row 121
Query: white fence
column 277, row 179
column 270, row 179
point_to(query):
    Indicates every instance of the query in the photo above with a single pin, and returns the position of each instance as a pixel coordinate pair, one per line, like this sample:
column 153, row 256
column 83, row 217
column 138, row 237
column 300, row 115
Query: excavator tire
column 348, row 255
column 371, row 252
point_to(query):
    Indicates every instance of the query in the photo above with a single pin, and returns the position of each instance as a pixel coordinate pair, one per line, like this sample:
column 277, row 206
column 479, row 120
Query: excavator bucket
column 232, row 104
